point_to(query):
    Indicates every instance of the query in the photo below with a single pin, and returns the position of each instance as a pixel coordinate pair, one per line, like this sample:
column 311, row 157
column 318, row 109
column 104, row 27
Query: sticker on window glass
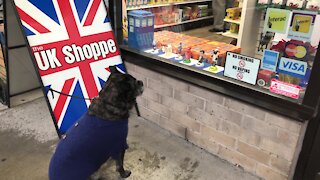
column 138, row 23
column 286, row 89
column 277, row 20
column 242, row 68
column 296, row 50
column 301, row 26
column 292, row 67
column 270, row 60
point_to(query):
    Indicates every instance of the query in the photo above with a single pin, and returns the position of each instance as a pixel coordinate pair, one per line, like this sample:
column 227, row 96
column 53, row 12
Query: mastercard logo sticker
column 296, row 51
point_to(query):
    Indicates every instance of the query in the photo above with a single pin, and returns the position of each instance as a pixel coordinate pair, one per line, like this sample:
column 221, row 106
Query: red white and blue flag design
column 73, row 45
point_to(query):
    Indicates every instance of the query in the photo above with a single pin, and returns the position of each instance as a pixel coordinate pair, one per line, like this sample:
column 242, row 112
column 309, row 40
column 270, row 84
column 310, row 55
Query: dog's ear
column 113, row 69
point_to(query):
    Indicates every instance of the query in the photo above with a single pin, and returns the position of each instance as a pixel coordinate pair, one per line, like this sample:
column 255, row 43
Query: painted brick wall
column 261, row 142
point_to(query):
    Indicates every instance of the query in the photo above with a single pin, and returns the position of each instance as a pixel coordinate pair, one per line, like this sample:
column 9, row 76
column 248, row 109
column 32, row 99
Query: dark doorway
column 312, row 171
column 308, row 166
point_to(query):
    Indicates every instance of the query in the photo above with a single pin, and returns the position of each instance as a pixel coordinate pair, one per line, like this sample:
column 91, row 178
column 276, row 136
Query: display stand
column 35, row 57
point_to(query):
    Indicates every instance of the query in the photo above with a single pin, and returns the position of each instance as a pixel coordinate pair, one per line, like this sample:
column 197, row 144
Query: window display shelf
column 183, row 22
column 230, row 34
column 232, row 21
column 167, row 4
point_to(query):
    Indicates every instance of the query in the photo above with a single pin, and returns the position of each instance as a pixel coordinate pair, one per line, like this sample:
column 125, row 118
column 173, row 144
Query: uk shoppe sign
column 73, row 46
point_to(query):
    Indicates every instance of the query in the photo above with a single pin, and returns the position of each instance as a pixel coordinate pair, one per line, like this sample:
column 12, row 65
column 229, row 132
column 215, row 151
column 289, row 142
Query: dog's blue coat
column 87, row 145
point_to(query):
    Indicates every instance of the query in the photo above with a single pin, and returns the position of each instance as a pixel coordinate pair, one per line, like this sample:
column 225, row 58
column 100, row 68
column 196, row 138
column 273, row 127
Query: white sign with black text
column 242, row 67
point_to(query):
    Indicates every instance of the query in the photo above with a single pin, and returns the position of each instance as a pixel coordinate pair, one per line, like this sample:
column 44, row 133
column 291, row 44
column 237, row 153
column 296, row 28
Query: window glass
column 267, row 45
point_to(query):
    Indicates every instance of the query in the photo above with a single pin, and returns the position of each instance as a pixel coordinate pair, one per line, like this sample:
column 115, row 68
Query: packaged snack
column 234, row 28
column 203, row 10
column 264, row 77
column 186, row 14
column 195, row 12
column 233, row 13
column 134, row 2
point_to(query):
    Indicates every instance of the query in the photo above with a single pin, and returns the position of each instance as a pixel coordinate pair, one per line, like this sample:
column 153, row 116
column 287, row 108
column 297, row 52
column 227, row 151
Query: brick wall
column 261, row 142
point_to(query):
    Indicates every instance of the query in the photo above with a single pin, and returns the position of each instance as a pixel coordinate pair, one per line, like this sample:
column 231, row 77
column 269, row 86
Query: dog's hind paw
column 124, row 173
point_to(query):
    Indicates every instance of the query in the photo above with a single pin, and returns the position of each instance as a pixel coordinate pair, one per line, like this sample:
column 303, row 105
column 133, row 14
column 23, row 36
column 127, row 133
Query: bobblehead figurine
column 215, row 55
column 187, row 58
column 201, row 59
column 179, row 57
column 154, row 47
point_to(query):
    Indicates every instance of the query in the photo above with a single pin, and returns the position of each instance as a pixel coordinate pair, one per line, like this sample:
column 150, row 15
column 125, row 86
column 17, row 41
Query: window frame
column 300, row 112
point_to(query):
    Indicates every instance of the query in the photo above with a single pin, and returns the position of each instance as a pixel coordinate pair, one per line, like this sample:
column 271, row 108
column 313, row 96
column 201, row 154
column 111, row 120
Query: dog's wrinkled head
column 117, row 96
column 122, row 87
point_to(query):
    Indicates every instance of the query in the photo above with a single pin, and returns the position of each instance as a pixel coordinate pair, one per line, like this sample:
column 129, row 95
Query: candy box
column 234, row 28
column 203, row 10
column 233, row 13
column 264, row 77
column 186, row 13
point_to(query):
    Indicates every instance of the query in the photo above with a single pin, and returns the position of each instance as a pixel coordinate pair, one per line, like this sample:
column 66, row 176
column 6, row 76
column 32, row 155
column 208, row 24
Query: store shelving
column 237, row 21
column 166, row 4
column 183, row 22
column 230, row 34
column 249, row 20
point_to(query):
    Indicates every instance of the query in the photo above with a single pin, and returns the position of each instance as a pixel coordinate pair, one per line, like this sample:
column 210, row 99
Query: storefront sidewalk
column 28, row 138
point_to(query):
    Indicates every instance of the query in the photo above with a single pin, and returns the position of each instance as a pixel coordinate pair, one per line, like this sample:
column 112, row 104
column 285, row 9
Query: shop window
column 269, row 46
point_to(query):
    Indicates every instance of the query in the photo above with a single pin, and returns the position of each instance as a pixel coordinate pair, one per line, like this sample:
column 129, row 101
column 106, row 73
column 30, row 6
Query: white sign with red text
column 242, row 68
column 286, row 89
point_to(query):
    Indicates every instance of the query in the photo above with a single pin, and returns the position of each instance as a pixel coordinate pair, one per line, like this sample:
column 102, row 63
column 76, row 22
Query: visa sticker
column 292, row 67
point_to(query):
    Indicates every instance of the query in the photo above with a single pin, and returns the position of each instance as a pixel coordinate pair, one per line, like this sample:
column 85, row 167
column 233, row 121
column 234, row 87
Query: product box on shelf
column 194, row 12
column 208, row 47
column 199, row 11
column 134, row 3
column 186, row 14
column 233, row 13
column 181, row 42
column 180, row 11
column 140, row 29
column 234, row 28
column 264, row 77
column 203, row 10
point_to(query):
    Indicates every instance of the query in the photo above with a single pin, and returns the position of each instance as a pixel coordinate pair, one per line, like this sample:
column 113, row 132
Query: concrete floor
column 28, row 138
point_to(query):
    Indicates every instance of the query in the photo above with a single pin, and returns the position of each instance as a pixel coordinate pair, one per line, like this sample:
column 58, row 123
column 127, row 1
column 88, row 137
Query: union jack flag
column 54, row 24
